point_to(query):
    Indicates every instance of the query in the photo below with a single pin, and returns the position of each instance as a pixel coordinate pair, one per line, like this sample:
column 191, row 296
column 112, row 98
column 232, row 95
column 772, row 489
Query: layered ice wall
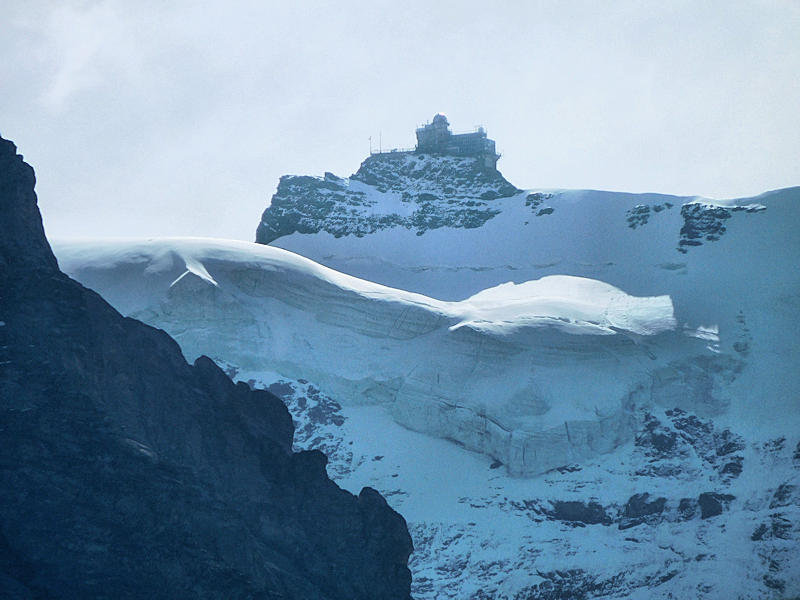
column 537, row 375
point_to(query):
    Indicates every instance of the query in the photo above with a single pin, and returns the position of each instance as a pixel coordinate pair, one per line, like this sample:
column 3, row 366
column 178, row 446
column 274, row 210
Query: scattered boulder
column 712, row 504
column 687, row 509
column 586, row 513
column 759, row 533
column 639, row 508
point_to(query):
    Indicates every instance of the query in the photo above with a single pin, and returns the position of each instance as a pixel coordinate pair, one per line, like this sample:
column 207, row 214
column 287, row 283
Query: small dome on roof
column 440, row 118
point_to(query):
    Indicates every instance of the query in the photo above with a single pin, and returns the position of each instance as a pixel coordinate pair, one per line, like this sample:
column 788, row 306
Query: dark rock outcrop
column 712, row 504
column 579, row 513
column 128, row 473
column 706, row 222
column 639, row 509
column 440, row 191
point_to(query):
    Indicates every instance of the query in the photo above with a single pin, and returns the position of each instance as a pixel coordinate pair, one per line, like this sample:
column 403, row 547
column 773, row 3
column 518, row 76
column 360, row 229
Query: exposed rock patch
column 580, row 513
column 414, row 191
column 712, row 504
column 535, row 201
column 639, row 215
column 707, row 222
column 640, row 508
column 667, row 443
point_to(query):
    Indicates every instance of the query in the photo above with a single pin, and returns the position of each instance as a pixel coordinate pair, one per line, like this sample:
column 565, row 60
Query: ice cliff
column 537, row 375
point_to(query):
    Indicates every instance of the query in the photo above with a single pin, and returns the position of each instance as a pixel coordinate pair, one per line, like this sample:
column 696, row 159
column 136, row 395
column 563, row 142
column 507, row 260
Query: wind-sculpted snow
column 536, row 375
column 574, row 304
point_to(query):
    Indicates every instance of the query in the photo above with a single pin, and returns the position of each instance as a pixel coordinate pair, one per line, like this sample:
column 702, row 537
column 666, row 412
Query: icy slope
column 729, row 265
column 536, row 375
column 699, row 500
column 688, row 510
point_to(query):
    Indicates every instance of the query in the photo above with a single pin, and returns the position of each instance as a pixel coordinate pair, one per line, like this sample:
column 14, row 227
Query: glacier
column 556, row 414
column 537, row 375
column 725, row 264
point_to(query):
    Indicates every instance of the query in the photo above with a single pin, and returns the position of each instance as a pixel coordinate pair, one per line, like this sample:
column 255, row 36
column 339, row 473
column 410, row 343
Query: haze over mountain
column 166, row 114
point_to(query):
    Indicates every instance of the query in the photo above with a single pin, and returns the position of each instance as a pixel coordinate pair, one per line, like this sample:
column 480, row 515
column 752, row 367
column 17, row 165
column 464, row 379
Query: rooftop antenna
column 370, row 144
column 380, row 141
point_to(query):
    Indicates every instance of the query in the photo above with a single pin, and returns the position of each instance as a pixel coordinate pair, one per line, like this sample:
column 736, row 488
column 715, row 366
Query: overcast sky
column 170, row 118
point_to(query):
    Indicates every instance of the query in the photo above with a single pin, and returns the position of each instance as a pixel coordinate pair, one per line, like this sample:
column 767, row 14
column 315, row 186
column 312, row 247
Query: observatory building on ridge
column 436, row 137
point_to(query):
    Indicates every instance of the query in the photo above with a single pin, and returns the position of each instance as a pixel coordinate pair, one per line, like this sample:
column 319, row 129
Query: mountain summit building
column 436, row 138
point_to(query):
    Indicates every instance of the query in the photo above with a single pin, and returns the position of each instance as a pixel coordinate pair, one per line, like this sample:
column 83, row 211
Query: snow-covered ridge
column 711, row 420
column 572, row 304
column 503, row 372
column 623, row 239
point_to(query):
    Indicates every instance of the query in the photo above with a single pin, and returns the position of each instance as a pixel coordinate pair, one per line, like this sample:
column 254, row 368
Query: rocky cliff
column 128, row 473
column 414, row 191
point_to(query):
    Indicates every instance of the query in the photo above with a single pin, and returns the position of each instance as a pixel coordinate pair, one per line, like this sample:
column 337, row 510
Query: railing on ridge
column 393, row 151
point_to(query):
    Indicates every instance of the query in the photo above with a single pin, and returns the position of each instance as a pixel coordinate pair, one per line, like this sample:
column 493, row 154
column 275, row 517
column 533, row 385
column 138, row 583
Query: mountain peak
column 22, row 241
column 413, row 190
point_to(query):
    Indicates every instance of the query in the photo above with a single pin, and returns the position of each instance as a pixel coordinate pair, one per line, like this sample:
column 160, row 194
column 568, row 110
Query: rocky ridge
column 432, row 224
column 424, row 191
column 129, row 473
column 438, row 191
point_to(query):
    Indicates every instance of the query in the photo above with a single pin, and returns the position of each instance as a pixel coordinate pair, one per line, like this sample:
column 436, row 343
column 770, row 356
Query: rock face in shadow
column 128, row 473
